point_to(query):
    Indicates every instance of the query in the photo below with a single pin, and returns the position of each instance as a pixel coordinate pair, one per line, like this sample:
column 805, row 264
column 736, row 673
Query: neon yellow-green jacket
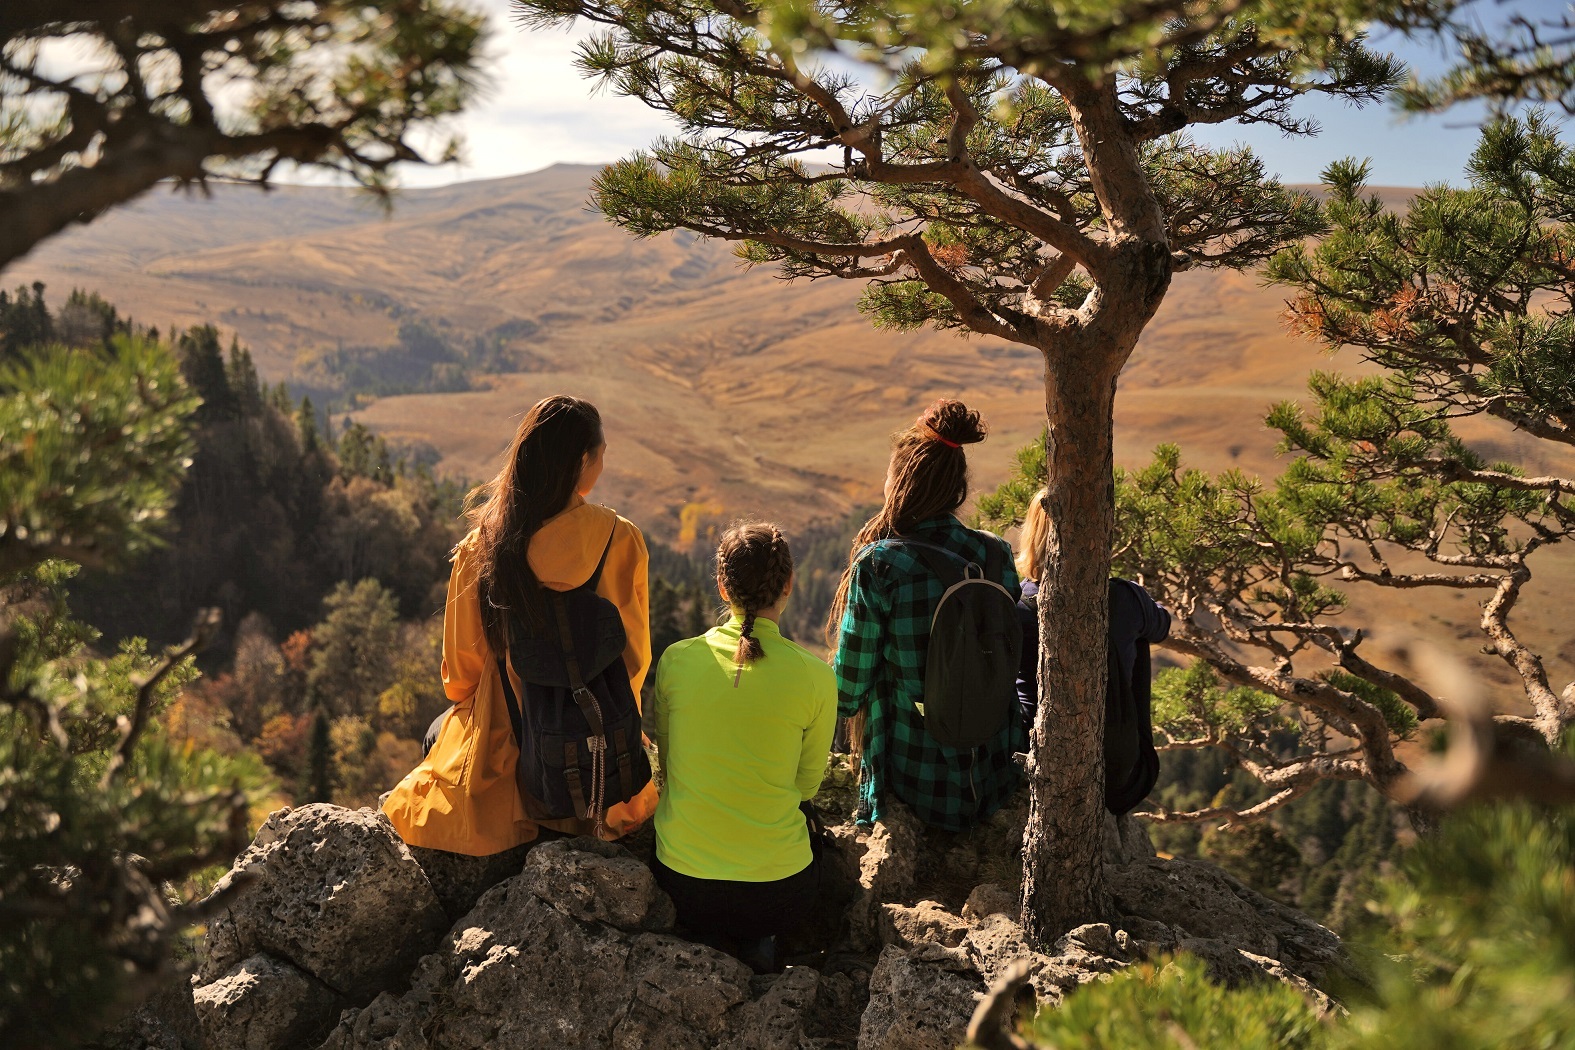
column 738, row 759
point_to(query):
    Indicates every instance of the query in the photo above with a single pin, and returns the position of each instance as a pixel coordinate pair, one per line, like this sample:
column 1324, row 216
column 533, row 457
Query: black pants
column 741, row 911
column 431, row 736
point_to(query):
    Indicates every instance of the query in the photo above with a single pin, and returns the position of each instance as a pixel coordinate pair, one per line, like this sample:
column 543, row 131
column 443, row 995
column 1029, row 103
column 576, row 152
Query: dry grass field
column 725, row 391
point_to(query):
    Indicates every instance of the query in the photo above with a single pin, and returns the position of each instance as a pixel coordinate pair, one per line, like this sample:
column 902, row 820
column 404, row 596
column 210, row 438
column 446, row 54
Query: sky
column 540, row 112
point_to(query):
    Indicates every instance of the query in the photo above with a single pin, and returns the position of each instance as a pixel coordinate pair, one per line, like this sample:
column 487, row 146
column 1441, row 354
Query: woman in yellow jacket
column 532, row 530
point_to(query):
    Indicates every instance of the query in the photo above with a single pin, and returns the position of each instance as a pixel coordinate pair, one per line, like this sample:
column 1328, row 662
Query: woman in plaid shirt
column 880, row 623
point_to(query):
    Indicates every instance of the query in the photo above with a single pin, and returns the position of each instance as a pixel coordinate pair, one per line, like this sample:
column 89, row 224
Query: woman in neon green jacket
column 743, row 719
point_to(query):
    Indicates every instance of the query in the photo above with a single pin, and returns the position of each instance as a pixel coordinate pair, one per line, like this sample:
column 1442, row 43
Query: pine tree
column 244, row 385
column 99, row 810
column 306, row 426
column 319, row 758
column 202, row 363
column 398, row 68
column 1465, row 302
column 1035, row 186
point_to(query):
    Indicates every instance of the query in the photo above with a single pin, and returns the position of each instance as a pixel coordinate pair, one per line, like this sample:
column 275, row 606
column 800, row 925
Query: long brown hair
column 753, row 565
column 538, row 478
column 928, row 477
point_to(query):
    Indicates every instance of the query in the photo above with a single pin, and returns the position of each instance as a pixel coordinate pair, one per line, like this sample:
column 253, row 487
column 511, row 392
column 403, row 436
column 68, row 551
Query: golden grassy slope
column 724, row 390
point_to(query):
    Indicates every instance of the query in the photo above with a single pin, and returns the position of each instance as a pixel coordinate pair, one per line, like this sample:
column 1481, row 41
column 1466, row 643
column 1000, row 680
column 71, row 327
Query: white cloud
column 539, row 110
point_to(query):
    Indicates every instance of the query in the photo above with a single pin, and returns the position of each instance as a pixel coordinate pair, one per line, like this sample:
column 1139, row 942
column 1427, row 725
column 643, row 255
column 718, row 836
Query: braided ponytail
column 754, row 567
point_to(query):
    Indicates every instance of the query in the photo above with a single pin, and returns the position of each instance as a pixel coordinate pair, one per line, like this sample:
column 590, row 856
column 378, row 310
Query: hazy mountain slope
column 725, row 390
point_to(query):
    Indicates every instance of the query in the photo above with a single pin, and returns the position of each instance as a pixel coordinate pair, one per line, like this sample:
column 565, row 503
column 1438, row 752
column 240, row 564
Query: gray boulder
column 887, row 871
column 1194, row 901
column 167, row 1021
column 336, row 894
column 262, row 1003
column 337, row 911
column 573, row 952
column 920, row 999
column 459, row 880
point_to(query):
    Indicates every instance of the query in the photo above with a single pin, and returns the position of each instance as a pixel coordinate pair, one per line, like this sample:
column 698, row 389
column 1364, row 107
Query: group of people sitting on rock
column 546, row 647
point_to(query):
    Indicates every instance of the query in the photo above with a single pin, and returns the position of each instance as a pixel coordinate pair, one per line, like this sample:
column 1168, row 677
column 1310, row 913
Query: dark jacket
column 1134, row 618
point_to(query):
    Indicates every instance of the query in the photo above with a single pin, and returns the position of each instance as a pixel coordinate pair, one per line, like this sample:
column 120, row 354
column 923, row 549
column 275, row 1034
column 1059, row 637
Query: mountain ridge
column 725, row 391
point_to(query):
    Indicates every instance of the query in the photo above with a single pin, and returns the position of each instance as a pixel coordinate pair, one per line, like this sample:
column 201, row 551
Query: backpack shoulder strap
column 516, row 719
column 582, row 696
column 942, row 562
column 596, row 577
column 994, row 571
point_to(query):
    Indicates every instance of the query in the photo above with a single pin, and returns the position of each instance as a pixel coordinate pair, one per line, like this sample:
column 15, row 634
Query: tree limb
column 131, row 728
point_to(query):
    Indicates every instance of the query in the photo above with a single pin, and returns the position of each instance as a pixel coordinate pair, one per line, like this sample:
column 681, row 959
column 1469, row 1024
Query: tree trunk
column 1063, row 879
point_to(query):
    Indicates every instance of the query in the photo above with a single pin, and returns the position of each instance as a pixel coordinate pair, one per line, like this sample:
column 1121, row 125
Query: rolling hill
column 725, row 391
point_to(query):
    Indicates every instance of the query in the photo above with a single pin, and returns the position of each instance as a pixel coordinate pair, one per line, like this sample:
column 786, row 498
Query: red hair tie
column 934, row 435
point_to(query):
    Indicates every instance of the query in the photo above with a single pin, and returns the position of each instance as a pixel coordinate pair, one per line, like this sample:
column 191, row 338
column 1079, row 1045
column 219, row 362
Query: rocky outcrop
column 167, row 1021
column 920, row 999
column 337, row 912
column 349, row 940
column 575, row 952
column 459, row 881
column 1180, row 903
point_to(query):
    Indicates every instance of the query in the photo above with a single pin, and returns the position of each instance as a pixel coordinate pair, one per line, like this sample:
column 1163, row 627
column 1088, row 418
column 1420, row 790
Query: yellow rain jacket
column 462, row 797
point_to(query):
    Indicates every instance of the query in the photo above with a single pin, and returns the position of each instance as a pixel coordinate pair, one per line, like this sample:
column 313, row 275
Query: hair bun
column 953, row 421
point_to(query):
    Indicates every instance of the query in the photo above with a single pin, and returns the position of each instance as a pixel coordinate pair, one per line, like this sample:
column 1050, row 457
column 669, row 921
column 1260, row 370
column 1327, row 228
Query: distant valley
column 726, row 391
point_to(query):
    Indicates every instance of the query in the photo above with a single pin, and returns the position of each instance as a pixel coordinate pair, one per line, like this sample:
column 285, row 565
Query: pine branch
column 993, row 1019
column 206, row 626
column 1232, row 816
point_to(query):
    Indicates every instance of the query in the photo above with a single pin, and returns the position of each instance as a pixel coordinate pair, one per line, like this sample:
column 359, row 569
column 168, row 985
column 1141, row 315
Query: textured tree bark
column 1063, row 879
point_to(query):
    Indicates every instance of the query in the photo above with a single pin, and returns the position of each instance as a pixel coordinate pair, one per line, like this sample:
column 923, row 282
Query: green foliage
column 1190, row 703
column 355, row 648
column 99, row 809
column 1479, row 945
column 320, row 760
column 1400, row 716
column 92, row 450
column 263, row 514
column 1473, row 949
column 1465, row 301
column 1172, row 1004
column 1005, row 507
column 1465, row 297
column 1528, row 56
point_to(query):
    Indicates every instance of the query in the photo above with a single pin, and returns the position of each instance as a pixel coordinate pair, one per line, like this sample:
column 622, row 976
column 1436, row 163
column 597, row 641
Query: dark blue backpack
column 578, row 727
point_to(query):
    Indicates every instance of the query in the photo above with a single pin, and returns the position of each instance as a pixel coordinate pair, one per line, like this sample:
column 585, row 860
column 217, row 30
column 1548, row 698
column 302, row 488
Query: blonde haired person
column 1136, row 620
column 1030, row 548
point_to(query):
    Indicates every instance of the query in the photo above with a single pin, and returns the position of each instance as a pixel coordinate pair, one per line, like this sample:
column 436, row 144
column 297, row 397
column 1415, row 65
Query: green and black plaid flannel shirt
column 880, row 669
